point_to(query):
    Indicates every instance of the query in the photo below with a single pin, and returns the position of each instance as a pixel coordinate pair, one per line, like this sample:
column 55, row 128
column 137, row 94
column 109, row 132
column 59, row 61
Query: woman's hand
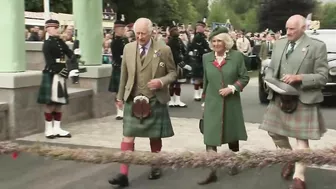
column 225, row 91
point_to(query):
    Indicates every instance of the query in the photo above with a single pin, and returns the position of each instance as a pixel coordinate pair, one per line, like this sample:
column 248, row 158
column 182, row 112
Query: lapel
column 213, row 58
column 155, row 57
column 298, row 55
column 134, row 56
column 280, row 49
column 149, row 56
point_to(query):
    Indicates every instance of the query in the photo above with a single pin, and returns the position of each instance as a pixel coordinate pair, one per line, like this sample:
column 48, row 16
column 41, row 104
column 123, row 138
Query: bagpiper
column 53, row 91
column 180, row 55
column 117, row 48
column 197, row 48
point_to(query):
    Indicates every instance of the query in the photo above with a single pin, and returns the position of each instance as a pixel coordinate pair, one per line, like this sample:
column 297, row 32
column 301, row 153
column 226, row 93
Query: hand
column 289, row 79
column 225, row 91
column 119, row 104
column 154, row 84
column 74, row 73
column 187, row 67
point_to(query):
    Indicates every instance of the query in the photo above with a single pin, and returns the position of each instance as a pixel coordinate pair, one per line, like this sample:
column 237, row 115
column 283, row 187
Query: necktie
column 290, row 51
column 143, row 52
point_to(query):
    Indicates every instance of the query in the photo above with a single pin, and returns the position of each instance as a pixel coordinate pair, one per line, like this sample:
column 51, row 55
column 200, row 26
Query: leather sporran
column 141, row 107
column 288, row 103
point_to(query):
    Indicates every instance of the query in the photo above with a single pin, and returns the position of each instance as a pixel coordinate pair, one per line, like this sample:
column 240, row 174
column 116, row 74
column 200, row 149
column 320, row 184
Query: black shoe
column 63, row 136
column 233, row 171
column 119, row 118
column 50, row 137
column 212, row 177
column 121, row 180
column 154, row 174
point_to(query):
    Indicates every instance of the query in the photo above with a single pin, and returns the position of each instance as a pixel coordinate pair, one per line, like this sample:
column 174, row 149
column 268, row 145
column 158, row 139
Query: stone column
column 12, row 34
column 88, row 22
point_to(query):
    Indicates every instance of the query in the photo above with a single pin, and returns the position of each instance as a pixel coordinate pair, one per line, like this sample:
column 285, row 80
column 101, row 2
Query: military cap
column 52, row 23
column 281, row 87
column 173, row 26
column 217, row 31
column 119, row 23
column 200, row 23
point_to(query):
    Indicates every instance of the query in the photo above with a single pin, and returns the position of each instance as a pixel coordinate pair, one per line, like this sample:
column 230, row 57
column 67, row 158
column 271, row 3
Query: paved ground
column 33, row 172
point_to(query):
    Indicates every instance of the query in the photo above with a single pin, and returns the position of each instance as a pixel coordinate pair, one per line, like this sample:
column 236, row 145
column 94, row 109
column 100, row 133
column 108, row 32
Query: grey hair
column 144, row 20
column 226, row 39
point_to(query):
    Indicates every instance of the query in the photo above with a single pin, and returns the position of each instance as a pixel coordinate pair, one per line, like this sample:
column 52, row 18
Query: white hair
column 225, row 38
column 144, row 21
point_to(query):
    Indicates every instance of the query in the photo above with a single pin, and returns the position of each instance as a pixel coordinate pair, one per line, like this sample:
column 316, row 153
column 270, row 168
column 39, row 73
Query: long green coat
column 223, row 116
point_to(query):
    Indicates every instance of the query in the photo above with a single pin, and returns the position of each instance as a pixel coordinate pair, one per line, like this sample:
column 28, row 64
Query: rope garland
column 242, row 160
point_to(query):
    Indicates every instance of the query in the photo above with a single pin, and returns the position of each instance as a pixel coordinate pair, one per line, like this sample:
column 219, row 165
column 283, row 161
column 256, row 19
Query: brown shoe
column 298, row 184
column 212, row 177
column 288, row 171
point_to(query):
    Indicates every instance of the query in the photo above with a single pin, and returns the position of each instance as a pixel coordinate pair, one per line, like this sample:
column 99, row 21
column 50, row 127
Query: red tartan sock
column 48, row 116
column 171, row 90
column 125, row 146
column 201, row 85
column 155, row 144
column 178, row 91
column 196, row 86
column 57, row 116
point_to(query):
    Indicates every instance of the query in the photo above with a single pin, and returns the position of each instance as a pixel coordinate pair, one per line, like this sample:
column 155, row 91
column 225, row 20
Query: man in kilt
column 53, row 90
column 117, row 46
column 180, row 57
column 197, row 48
column 301, row 62
column 147, row 69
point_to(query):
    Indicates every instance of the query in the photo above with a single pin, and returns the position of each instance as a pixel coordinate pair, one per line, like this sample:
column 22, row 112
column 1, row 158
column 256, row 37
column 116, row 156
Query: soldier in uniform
column 117, row 47
column 180, row 57
column 53, row 90
column 197, row 48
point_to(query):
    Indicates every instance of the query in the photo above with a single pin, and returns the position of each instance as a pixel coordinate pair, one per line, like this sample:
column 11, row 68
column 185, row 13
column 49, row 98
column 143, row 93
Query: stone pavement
column 107, row 132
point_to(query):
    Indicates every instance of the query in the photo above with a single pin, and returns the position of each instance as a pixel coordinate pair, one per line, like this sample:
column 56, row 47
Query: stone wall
column 3, row 121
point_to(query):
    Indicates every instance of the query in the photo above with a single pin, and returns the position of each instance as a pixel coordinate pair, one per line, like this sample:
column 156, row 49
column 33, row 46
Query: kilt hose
column 45, row 91
column 115, row 80
column 305, row 123
column 157, row 125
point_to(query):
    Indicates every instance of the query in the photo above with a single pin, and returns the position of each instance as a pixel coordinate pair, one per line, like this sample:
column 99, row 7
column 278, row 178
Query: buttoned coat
column 163, row 67
column 309, row 59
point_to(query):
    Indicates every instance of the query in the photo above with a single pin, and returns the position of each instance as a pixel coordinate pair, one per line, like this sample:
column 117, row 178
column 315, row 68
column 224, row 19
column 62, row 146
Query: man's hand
column 290, row 79
column 119, row 104
column 225, row 91
column 187, row 67
column 154, row 84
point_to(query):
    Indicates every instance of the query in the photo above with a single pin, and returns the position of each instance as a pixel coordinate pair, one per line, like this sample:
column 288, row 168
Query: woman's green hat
column 217, row 31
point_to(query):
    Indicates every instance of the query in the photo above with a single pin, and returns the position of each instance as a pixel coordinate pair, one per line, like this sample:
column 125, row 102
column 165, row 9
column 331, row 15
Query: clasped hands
column 290, row 79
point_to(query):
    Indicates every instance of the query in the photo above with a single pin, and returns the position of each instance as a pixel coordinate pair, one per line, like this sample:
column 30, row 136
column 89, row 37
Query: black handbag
column 201, row 125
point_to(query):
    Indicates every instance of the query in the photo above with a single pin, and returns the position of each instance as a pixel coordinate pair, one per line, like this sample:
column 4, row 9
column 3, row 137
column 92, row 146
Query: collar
column 224, row 56
column 147, row 45
column 299, row 40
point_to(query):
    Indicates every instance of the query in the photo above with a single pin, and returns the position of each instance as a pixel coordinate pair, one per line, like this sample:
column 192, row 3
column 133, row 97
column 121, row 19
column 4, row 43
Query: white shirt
column 297, row 42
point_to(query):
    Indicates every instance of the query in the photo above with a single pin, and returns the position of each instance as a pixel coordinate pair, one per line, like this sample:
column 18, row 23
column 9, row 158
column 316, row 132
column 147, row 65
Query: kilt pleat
column 157, row 125
column 115, row 80
column 44, row 95
column 306, row 122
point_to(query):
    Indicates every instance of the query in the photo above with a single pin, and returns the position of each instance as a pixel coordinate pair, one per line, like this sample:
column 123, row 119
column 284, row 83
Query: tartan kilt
column 115, row 80
column 44, row 95
column 157, row 125
column 306, row 122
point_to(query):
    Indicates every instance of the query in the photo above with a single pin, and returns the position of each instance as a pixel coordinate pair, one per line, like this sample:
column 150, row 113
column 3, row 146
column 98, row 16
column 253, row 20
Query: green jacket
column 223, row 117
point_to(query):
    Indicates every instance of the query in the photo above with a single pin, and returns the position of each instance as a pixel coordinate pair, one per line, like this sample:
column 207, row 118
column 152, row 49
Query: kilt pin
column 297, row 116
column 145, row 110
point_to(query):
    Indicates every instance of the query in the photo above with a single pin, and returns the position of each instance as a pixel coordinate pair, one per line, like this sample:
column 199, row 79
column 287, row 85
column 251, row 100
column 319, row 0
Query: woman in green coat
column 225, row 77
